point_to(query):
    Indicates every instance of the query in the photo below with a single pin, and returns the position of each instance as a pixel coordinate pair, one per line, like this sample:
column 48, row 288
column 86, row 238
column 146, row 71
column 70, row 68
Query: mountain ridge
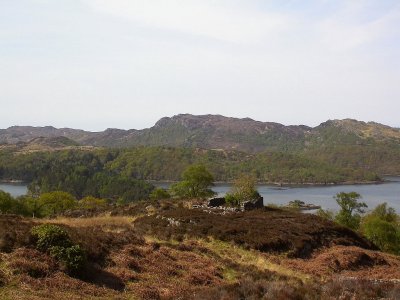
column 217, row 132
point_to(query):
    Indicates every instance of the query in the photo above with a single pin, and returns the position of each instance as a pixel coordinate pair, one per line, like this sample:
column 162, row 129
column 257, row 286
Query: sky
column 97, row 64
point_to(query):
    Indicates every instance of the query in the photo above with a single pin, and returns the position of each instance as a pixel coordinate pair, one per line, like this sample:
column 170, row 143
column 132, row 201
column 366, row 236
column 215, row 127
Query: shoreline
column 14, row 181
column 268, row 183
column 310, row 184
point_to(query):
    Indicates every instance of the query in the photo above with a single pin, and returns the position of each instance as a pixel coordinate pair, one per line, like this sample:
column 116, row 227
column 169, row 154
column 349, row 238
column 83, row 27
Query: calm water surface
column 372, row 194
column 15, row 189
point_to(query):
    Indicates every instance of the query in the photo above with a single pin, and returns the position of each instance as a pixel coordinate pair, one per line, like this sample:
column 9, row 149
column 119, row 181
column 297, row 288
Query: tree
column 196, row 183
column 159, row 194
column 56, row 202
column 32, row 200
column 381, row 226
column 244, row 188
column 385, row 213
column 350, row 209
column 326, row 214
column 90, row 202
column 6, row 202
column 384, row 234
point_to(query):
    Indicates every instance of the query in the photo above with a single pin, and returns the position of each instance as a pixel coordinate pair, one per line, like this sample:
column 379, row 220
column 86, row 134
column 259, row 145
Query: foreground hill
column 164, row 251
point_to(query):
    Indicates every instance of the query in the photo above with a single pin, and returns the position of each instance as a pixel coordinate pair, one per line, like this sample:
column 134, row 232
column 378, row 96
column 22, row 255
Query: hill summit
column 218, row 132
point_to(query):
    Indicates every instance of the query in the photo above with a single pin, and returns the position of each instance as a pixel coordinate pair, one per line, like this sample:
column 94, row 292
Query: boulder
column 253, row 204
column 215, row 202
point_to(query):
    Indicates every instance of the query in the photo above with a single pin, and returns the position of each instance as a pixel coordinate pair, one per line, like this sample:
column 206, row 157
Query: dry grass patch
column 102, row 221
column 250, row 258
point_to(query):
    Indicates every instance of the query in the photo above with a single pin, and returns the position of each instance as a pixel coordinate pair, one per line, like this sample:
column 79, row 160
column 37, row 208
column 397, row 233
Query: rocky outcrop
column 253, row 204
column 215, row 202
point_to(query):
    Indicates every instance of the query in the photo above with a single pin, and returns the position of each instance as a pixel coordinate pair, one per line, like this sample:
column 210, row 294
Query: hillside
column 218, row 132
column 71, row 168
column 341, row 144
column 161, row 250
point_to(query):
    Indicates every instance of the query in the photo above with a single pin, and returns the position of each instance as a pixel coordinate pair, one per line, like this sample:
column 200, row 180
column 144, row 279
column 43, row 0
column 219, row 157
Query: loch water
column 372, row 194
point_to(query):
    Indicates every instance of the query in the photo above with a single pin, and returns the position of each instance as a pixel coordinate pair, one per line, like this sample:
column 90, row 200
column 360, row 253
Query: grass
column 102, row 221
column 199, row 259
column 269, row 230
column 249, row 258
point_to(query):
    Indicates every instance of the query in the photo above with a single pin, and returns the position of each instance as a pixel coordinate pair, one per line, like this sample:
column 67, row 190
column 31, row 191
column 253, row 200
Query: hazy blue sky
column 94, row 64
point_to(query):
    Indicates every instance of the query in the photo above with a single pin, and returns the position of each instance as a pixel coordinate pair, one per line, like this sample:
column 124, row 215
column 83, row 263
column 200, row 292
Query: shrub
column 382, row 227
column 55, row 241
column 383, row 234
column 73, row 257
column 159, row 194
column 232, row 200
column 91, row 203
column 326, row 214
column 49, row 236
column 244, row 188
column 6, row 202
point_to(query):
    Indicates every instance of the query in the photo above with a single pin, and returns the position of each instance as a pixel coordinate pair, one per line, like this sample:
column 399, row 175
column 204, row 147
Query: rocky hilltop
column 219, row 132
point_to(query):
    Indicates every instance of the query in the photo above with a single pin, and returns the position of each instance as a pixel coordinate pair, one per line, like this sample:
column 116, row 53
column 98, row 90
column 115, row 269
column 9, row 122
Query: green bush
column 231, row 200
column 383, row 234
column 382, row 227
column 326, row 214
column 73, row 257
column 55, row 240
column 159, row 194
column 49, row 236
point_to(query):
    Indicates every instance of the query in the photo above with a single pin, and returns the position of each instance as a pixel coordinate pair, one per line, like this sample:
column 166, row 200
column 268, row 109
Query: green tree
column 159, row 194
column 384, row 234
column 350, row 209
column 56, row 202
column 381, row 226
column 385, row 213
column 244, row 188
column 6, row 202
column 90, row 202
column 196, row 183
column 326, row 214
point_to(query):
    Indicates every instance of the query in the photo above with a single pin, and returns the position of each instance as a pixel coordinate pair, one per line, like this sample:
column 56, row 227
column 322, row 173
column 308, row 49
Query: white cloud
column 353, row 26
column 214, row 19
column 121, row 63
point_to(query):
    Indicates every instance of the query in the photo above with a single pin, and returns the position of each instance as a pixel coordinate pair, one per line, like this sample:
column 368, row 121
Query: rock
column 253, row 204
column 215, row 202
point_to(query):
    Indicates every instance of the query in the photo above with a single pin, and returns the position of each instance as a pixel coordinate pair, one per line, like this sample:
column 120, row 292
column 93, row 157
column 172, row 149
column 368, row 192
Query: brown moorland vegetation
column 267, row 230
column 165, row 251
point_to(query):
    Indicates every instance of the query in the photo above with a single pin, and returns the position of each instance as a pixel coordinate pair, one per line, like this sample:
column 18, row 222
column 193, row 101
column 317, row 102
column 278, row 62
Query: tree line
column 381, row 225
column 71, row 169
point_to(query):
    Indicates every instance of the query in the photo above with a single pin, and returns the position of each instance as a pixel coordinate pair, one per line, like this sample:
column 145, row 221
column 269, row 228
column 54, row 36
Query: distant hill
column 39, row 144
column 219, row 132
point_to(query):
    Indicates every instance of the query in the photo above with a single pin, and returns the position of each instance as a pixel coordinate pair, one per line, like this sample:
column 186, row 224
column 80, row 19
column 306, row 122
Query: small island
column 301, row 205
